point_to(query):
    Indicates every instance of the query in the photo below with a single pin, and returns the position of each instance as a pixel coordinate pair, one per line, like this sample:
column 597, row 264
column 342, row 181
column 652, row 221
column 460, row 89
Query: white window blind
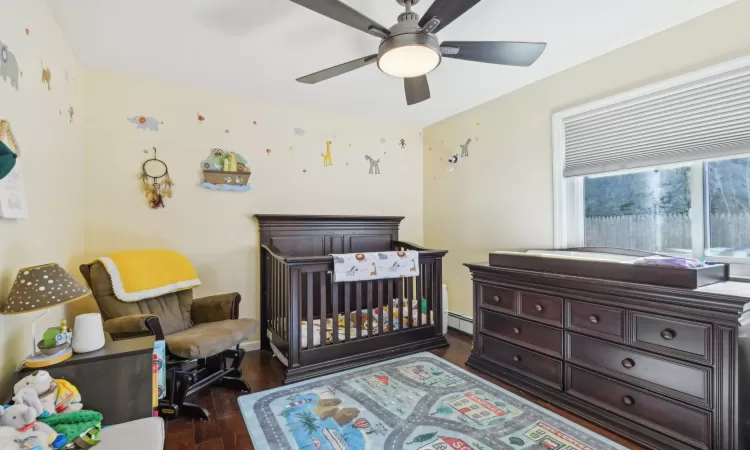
column 694, row 119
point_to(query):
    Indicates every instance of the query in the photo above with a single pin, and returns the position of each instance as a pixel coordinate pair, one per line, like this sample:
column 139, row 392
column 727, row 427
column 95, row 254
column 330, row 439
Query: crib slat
column 286, row 299
column 280, row 296
column 419, row 298
column 380, row 307
column 429, row 292
column 400, row 297
column 391, row 312
column 335, row 312
column 274, row 297
column 347, row 311
column 294, row 319
column 438, row 276
column 323, row 299
column 358, row 313
column 369, row 309
column 410, row 297
column 309, row 302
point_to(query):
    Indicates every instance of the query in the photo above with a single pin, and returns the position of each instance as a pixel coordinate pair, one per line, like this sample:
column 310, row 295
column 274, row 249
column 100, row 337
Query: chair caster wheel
column 167, row 412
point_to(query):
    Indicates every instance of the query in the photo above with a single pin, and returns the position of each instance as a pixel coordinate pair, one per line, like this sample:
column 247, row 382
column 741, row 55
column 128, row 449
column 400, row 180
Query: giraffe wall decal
column 327, row 160
column 465, row 148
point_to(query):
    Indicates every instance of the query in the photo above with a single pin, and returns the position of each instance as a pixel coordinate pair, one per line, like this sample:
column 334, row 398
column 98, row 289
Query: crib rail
column 299, row 290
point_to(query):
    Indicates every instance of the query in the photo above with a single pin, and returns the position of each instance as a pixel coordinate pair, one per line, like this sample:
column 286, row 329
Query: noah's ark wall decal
column 225, row 171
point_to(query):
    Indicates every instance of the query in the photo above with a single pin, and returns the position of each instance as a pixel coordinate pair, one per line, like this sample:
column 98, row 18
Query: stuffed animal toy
column 57, row 396
column 23, row 418
column 12, row 439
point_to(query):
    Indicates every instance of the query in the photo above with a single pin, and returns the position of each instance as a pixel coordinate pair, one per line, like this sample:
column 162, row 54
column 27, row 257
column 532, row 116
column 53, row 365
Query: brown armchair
column 201, row 334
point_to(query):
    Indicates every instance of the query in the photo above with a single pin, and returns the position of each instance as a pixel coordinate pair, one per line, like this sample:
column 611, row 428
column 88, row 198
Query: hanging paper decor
column 374, row 165
column 145, row 123
column 465, row 148
column 7, row 155
column 225, row 171
column 156, row 182
column 8, row 66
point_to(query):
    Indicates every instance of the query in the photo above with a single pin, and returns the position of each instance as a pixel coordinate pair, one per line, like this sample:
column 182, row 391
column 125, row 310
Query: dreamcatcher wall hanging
column 155, row 181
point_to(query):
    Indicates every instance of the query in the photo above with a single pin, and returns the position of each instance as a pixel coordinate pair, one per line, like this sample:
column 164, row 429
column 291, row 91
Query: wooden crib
column 296, row 286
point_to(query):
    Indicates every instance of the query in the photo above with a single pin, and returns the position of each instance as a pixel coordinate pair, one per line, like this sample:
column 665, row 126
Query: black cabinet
column 116, row 380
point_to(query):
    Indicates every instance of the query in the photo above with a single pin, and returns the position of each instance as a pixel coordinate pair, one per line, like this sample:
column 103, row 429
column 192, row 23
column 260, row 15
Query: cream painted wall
column 51, row 161
column 500, row 197
column 216, row 230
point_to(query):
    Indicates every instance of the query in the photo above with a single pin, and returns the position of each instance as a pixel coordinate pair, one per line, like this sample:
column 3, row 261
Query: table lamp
column 39, row 288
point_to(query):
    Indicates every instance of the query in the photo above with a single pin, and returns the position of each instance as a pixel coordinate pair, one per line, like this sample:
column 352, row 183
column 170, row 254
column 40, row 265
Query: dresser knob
column 517, row 358
column 538, row 308
column 628, row 363
column 593, row 319
column 667, row 335
column 516, row 330
column 628, row 400
column 496, row 299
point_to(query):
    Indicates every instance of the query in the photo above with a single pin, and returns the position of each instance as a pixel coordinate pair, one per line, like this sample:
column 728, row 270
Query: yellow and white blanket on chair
column 140, row 274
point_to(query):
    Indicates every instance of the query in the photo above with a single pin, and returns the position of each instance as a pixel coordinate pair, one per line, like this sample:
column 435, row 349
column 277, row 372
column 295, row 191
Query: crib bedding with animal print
column 400, row 320
column 375, row 265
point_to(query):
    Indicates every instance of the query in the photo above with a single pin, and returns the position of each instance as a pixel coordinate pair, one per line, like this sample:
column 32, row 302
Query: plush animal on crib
column 22, row 418
column 12, row 439
column 57, row 396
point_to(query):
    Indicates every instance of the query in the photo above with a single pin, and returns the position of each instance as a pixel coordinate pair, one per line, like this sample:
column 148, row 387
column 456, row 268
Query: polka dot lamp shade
column 41, row 287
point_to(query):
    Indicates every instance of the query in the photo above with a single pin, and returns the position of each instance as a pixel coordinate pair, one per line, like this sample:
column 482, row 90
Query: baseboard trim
column 460, row 323
column 249, row 346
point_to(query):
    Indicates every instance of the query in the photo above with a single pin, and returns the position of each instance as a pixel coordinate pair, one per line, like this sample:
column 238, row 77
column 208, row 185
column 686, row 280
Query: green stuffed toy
column 73, row 424
column 7, row 160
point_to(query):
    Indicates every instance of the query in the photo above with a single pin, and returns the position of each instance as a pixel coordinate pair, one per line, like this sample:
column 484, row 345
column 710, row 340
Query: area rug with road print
column 417, row 402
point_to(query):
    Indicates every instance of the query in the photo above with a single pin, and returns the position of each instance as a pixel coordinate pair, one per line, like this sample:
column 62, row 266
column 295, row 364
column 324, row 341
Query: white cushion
column 142, row 434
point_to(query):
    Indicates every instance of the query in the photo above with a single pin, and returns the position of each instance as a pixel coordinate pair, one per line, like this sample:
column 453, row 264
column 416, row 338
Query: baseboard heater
column 462, row 324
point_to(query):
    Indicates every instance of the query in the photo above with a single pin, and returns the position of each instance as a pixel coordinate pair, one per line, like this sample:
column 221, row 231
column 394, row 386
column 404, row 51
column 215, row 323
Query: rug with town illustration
column 417, row 402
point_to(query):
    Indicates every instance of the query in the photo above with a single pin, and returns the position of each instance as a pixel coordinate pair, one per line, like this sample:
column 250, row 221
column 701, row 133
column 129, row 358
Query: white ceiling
column 257, row 48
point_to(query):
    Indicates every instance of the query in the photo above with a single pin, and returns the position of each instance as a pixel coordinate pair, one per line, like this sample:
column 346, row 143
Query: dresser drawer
column 543, row 308
column 498, row 298
column 598, row 320
column 538, row 337
column 682, row 338
column 682, row 421
column 541, row 368
column 684, row 381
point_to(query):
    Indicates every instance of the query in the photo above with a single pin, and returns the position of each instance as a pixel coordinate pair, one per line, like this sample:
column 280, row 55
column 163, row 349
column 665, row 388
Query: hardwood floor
column 226, row 430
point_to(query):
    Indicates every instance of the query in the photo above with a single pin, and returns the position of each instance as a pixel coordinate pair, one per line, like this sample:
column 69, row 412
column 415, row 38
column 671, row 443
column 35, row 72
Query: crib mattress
column 396, row 324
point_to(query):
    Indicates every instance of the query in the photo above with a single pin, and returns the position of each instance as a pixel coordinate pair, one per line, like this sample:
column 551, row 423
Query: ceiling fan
column 410, row 49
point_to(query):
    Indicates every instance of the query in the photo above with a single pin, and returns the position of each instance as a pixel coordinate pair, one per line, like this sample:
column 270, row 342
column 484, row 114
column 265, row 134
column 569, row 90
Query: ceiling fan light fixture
column 409, row 55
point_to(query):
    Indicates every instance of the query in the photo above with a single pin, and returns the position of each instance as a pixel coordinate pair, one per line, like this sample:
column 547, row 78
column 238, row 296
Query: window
column 660, row 210
column 728, row 207
column 664, row 168
column 646, row 210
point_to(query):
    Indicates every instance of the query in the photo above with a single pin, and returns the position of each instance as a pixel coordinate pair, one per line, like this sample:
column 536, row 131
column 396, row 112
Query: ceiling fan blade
column 345, row 14
column 335, row 71
column 498, row 52
column 417, row 89
column 446, row 11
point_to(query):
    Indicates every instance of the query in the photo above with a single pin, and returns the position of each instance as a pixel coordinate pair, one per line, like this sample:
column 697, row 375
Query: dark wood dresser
column 664, row 367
